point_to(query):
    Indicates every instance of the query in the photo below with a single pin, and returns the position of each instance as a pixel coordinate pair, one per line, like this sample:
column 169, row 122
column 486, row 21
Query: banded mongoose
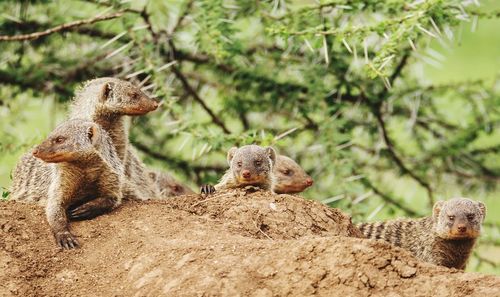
column 106, row 101
column 249, row 165
column 78, row 170
column 446, row 238
column 290, row 178
column 168, row 185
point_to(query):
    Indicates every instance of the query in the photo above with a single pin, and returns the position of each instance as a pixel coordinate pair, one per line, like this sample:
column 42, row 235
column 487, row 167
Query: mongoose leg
column 206, row 190
column 92, row 209
column 56, row 216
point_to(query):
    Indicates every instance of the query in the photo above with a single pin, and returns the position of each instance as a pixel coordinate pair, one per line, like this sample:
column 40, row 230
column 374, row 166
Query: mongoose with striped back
column 106, row 101
column 249, row 165
column 446, row 238
column 77, row 170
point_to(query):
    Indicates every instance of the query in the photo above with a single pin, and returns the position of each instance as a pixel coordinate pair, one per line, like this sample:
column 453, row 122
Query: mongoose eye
column 288, row 172
column 258, row 163
column 451, row 218
column 59, row 139
column 470, row 216
column 239, row 164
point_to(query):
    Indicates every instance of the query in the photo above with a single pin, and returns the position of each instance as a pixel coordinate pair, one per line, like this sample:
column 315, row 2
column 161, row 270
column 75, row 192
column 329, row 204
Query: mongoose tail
column 446, row 238
column 290, row 178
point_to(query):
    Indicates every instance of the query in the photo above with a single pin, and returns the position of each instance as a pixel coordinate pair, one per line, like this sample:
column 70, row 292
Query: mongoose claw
column 82, row 212
column 91, row 209
column 66, row 240
column 206, row 190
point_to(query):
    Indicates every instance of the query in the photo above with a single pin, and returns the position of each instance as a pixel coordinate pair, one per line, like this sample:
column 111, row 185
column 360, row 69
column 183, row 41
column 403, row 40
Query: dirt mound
column 191, row 246
column 260, row 215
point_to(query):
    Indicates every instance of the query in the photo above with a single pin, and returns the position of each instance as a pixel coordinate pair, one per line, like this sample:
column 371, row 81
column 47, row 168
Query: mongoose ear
column 272, row 154
column 230, row 154
column 92, row 133
column 482, row 208
column 437, row 208
column 106, row 91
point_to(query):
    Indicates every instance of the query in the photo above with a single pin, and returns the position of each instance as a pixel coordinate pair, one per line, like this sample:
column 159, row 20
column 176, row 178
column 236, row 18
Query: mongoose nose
column 462, row 229
column 246, row 174
column 155, row 104
column 309, row 181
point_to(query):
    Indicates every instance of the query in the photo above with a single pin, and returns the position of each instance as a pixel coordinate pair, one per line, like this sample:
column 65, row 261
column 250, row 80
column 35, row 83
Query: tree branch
column 397, row 160
column 389, row 199
column 62, row 27
column 176, row 162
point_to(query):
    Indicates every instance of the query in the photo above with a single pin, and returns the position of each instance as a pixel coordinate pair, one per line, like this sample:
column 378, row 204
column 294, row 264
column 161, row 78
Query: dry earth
column 231, row 244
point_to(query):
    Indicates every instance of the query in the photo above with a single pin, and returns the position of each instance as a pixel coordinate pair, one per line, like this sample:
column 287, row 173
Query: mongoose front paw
column 66, row 240
column 206, row 190
column 81, row 212
column 90, row 209
column 251, row 189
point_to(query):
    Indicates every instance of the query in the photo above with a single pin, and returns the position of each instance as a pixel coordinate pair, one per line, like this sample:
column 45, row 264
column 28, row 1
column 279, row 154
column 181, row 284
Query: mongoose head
column 168, row 185
column 252, row 164
column 458, row 218
column 122, row 97
column 290, row 177
column 70, row 141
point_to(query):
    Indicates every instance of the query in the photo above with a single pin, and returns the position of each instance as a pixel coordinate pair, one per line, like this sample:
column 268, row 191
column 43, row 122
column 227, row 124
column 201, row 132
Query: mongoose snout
column 246, row 174
column 142, row 106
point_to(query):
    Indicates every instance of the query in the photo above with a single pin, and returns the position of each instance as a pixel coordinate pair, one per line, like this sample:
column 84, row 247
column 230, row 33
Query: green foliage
column 342, row 86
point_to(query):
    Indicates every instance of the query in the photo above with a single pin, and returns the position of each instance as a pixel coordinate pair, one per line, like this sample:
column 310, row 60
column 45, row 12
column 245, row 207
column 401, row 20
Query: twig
column 184, row 165
column 182, row 17
column 397, row 160
column 389, row 199
column 62, row 27
column 260, row 230
column 487, row 261
column 198, row 99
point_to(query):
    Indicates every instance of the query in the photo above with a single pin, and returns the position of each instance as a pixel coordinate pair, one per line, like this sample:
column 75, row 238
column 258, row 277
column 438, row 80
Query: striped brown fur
column 446, row 238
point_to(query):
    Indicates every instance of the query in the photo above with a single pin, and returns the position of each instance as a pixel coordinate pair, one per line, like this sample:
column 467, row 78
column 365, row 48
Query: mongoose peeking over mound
column 446, row 238
column 106, row 101
column 290, row 178
column 249, row 165
column 168, row 186
column 78, row 170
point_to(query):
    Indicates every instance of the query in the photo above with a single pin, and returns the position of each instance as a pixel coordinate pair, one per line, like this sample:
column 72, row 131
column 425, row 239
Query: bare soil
column 231, row 244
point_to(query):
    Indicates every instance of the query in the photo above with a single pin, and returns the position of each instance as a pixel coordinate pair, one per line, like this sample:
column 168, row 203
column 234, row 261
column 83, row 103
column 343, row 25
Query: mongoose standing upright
column 78, row 170
column 446, row 238
column 249, row 165
column 290, row 177
column 105, row 101
column 168, row 186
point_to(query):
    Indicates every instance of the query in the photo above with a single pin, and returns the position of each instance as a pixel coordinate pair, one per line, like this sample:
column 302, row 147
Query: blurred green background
column 250, row 82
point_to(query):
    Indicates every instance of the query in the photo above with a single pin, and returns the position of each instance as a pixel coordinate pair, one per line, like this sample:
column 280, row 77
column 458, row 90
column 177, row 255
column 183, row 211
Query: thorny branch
column 176, row 162
column 62, row 27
